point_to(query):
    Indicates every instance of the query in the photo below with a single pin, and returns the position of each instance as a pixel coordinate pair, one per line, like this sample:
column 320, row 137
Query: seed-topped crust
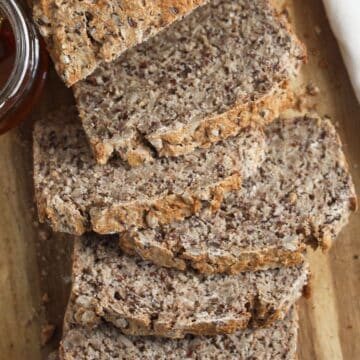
column 224, row 67
column 75, row 194
column 82, row 34
column 302, row 193
column 106, row 343
column 143, row 299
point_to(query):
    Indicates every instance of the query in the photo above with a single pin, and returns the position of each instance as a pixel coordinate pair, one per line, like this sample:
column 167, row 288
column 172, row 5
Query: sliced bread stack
column 75, row 194
column 301, row 194
column 203, row 202
column 143, row 299
column 107, row 343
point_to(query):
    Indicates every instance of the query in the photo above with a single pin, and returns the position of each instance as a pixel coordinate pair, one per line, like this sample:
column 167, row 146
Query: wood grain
column 330, row 321
column 33, row 262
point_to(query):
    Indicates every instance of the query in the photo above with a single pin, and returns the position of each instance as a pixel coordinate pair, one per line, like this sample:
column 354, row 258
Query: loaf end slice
column 301, row 194
column 82, row 34
column 106, row 342
column 143, row 299
column 75, row 194
column 224, row 67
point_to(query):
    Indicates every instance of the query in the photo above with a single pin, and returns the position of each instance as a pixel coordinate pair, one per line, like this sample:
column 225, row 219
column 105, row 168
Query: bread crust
column 144, row 326
column 201, row 134
column 213, row 129
column 66, row 217
column 259, row 313
column 247, row 260
column 80, row 35
column 101, row 343
column 163, row 210
column 104, row 288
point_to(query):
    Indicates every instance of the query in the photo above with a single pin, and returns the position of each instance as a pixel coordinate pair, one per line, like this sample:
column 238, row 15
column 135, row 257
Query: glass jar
column 26, row 66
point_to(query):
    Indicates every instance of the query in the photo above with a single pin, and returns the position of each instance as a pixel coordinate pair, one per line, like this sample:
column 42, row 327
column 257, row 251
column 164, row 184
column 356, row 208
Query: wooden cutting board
column 35, row 265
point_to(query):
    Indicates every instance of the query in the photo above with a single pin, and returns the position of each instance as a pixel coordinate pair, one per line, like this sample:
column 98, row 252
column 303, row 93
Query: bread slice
column 82, row 34
column 75, row 194
column 143, row 299
column 302, row 193
column 223, row 67
column 107, row 343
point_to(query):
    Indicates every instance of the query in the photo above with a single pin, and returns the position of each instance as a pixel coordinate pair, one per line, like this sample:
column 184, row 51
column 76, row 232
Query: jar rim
column 26, row 57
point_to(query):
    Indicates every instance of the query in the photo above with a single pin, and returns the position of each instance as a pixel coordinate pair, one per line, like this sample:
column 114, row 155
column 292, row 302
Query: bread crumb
column 45, row 298
column 292, row 198
column 47, row 332
column 312, row 89
column 326, row 243
column 305, row 101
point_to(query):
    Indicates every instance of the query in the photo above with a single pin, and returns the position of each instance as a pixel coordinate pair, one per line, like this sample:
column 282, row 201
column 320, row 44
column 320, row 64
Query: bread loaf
column 221, row 69
column 302, row 194
column 143, row 299
column 74, row 194
column 82, row 34
column 107, row 343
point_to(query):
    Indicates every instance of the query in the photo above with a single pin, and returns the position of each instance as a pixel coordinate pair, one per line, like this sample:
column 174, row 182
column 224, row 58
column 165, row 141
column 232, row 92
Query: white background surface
column 344, row 16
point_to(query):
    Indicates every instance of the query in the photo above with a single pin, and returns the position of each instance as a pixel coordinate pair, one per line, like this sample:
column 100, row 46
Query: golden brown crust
column 247, row 260
column 202, row 134
column 65, row 217
column 277, row 342
column 130, row 295
column 259, row 315
column 80, row 35
column 220, row 127
column 136, row 153
column 161, row 211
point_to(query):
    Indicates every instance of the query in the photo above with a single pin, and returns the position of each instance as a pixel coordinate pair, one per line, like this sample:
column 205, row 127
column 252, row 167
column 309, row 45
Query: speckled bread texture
column 80, row 34
column 302, row 193
column 107, row 343
column 143, row 299
column 222, row 68
column 74, row 194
